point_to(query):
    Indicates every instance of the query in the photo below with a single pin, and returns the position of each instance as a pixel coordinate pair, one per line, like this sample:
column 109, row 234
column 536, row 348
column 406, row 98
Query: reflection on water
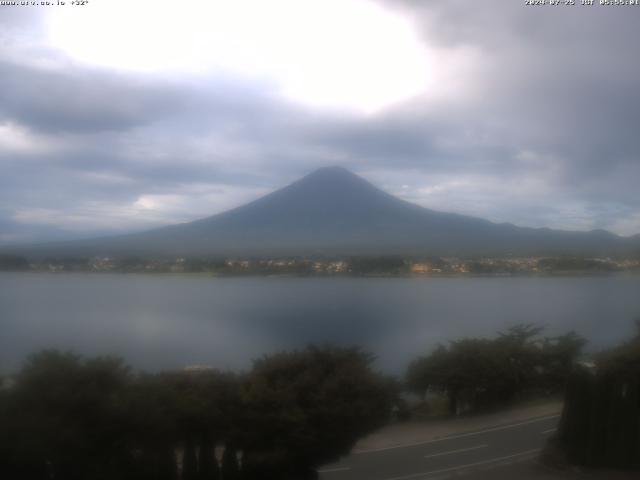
column 171, row 321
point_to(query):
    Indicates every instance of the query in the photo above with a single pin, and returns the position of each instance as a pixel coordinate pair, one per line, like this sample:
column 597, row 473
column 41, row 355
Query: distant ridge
column 332, row 211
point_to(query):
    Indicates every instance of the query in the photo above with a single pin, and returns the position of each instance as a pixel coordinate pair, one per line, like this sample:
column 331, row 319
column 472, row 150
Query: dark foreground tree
column 208, row 468
column 307, row 408
column 183, row 410
column 230, row 467
column 477, row 373
column 600, row 424
column 76, row 419
column 65, row 419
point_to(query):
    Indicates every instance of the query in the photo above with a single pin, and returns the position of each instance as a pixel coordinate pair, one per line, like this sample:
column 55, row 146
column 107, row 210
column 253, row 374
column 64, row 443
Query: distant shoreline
column 355, row 266
column 585, row 274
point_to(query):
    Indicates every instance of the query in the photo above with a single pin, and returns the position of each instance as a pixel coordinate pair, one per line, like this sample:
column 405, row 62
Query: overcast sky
column 123, row 115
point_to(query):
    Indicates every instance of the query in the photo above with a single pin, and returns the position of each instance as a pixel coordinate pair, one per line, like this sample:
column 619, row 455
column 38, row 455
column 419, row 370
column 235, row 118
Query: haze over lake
column 170, row 321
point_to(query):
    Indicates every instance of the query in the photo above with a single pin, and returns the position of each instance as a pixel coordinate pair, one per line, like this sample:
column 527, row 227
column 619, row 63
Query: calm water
column 171, row 321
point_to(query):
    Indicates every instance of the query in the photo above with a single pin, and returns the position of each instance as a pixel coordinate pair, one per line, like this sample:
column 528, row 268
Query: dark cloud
column 82, row 101
column 559, row 83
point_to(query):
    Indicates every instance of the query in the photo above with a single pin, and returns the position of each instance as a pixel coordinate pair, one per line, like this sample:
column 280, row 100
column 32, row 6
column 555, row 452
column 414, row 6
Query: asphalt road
column 457, row 454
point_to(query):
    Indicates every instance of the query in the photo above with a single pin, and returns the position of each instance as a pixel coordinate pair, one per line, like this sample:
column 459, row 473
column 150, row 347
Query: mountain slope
column 333, row 211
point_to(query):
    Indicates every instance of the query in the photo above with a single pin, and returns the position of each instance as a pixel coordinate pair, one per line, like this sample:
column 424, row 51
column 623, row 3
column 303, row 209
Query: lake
column 170, row 321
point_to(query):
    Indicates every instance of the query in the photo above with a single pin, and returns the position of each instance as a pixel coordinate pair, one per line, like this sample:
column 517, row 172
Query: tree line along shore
column 339, row 266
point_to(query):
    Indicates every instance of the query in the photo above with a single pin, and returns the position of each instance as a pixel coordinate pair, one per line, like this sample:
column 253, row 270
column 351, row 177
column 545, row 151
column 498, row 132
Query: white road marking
column 468, row 465
column 455, row 437
column 332, row 470
column 477, row 447
column 545, row 432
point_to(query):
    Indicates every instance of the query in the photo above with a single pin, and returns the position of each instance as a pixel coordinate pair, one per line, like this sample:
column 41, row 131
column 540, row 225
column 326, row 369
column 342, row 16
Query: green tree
column 208, row 468
column 520, row 348
column 559, row 355
column 599, row 424
column 483, row 373
column 230, row 468
column 428, row 373
column 306, row 408
column 67, row 417
column 189, row 409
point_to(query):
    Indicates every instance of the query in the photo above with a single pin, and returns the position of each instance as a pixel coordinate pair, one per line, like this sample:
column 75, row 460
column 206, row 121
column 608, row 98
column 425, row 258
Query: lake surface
column 170, row 321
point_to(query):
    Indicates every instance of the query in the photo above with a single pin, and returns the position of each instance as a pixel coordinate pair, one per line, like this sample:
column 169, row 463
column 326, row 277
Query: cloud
column 82, row 100
column 533, row 120
column 307, row 49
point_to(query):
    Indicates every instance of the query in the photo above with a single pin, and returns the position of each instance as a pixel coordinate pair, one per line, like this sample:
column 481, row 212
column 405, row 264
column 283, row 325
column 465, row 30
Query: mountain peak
column 333, row 170
column 331, row 173
column 334, row 211
column 333, row 179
